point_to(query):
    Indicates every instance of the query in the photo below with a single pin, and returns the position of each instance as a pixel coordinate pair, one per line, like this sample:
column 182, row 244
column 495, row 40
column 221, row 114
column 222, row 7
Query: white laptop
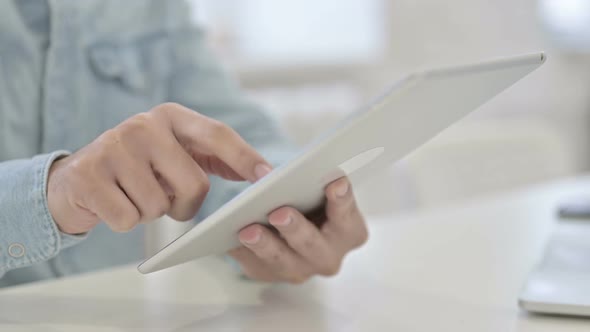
column 560, row 284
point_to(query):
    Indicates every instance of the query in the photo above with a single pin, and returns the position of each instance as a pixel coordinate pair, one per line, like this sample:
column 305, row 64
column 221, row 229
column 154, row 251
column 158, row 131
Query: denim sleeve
column 199, row 82
column 28, row 233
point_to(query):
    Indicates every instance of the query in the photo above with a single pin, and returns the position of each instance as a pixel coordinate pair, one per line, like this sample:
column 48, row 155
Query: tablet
column 411, row 112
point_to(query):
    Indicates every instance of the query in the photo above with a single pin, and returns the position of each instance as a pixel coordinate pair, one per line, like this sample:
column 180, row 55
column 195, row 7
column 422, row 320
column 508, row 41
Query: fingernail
column 282, row 222
column 253, row 238
column 261, row 170
column 342, row 189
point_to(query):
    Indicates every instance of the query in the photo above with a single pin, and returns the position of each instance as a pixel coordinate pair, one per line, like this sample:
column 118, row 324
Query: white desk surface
column 458, row 268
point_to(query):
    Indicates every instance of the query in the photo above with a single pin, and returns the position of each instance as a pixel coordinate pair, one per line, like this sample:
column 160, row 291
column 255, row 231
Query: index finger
column 210, row 137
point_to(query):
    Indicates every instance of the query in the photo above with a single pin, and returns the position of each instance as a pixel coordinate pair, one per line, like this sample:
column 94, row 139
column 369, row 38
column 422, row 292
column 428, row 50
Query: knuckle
column 203, row 185
column 242, row 153
column 170, row 105
column 198, row 188
column 88, row 169
column 164, row 108
column 206, row 185
column 77, row 168
column 164, row 206
column 102, row 154
column 159, row 208
column 219, row 129
column 124, row 225
column 273, row 254
column 124, row 220
column 105, row 143
column 135, row 125
column 143, row 117
column 330, row 270
column 303, row 235
column 182, row 212
column 307, row 240
column 183, row 215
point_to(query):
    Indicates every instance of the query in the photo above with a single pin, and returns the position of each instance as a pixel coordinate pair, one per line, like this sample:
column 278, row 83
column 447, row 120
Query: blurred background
column 311, row 62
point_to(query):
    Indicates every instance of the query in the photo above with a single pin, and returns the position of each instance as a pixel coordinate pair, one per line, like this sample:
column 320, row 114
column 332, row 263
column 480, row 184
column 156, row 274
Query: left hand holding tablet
column 299, row 248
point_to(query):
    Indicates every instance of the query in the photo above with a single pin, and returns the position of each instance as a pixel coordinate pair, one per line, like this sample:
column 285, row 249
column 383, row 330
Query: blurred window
column 272, row 33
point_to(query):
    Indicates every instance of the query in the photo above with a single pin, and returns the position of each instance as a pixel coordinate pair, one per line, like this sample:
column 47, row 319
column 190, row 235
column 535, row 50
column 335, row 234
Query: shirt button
column 16, row 250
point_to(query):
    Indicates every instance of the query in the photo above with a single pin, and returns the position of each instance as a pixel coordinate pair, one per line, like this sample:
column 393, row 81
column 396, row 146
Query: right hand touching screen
column 151, row 164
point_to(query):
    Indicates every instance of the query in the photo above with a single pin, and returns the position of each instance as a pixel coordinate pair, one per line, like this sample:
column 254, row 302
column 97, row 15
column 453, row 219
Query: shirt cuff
column 68, row 240
column 65, row 240
column 31, row 235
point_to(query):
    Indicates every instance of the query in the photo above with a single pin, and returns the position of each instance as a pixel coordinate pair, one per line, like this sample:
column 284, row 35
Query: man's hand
column 152, row 164
column 301, row 249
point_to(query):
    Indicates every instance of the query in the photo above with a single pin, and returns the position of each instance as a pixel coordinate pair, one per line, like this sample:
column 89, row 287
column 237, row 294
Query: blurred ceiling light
column 567, row 23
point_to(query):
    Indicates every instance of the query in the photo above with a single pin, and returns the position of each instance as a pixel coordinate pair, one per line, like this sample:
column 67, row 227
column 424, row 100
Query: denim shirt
column 105, row 61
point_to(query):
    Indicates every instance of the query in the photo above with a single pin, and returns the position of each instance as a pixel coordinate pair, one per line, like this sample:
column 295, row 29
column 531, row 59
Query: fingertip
column 281, row 216
column 261, row 170
column 338, row 189
column 250, row 234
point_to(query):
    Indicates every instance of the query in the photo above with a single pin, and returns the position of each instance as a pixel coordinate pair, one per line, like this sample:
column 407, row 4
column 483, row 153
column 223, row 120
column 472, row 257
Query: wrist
column 55, row 204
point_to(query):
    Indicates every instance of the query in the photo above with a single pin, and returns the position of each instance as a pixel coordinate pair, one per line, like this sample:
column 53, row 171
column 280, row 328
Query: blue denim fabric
column 106, row 61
